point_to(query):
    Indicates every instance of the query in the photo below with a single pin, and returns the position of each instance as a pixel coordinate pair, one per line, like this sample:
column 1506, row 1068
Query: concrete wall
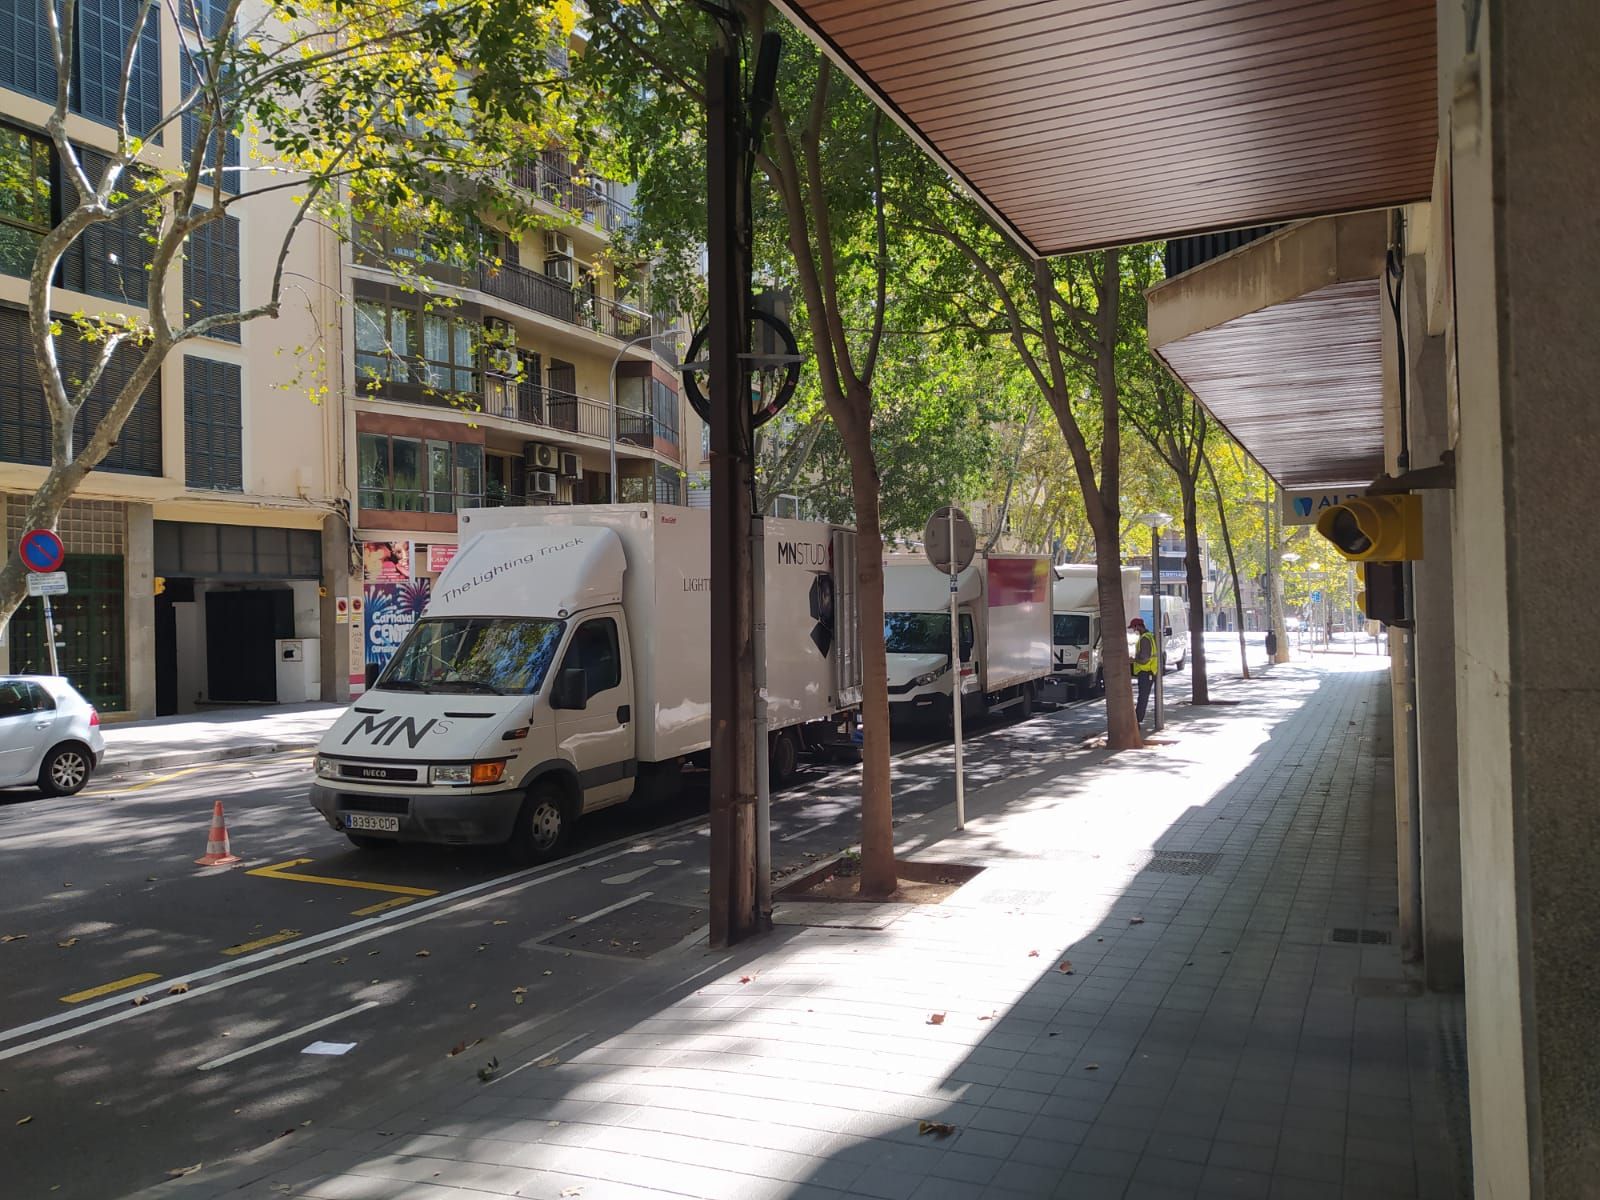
column 1524, row 119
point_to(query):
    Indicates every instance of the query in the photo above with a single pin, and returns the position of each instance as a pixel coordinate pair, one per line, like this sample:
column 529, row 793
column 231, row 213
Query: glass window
column 594, row 651
column 469, row 475
column 440, row 490
column 492, row 655
column 1072, row 629
column 24, row 199
column 406, row 474
column 373, row 470
column 18, row 697
column 916, row 633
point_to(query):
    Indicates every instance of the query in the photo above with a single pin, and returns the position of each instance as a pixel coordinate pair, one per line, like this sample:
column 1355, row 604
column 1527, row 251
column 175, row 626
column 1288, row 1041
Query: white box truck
column 563, row 662
column 1078, row 668
column 1003, row 605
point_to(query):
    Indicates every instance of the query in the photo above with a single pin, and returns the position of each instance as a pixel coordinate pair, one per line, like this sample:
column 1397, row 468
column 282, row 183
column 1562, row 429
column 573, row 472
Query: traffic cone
column 217, row 852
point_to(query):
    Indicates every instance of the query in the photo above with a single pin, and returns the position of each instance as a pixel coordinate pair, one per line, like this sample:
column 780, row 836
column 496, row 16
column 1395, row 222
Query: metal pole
column 1350, row 588
column 732, row 895
column 50, row 635
column 955, row 675
column 1160, row 625
column 763, row 734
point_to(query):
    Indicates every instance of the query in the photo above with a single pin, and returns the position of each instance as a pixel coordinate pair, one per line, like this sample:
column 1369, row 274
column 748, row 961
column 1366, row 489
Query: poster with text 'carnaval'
column 391, row 610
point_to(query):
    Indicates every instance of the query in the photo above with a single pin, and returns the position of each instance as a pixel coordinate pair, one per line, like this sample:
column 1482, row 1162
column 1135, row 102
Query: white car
column 49, row 735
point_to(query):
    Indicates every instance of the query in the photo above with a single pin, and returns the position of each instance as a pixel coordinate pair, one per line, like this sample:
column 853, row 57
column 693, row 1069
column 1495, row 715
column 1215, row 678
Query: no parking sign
column 41, row 550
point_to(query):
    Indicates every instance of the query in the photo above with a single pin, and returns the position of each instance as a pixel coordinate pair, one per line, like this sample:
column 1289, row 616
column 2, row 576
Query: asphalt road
column 155, row 1014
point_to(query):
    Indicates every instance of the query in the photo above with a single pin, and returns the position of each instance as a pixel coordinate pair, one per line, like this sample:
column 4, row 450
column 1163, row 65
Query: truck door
column 598, row 738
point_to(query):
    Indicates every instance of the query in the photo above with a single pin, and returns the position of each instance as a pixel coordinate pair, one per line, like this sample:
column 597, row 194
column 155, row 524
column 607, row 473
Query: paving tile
column 1119, row 1164
column 1029, row 1179
column 1078, row 1185
column 1169, row 1172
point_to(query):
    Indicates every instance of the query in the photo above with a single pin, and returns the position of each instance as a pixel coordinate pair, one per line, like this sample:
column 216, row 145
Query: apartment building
column 212, row 542
column 542, row 371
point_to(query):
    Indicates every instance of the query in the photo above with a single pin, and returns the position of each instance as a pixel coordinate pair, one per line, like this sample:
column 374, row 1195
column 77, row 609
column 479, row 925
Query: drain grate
column 1181, row 862
column 1348, row 936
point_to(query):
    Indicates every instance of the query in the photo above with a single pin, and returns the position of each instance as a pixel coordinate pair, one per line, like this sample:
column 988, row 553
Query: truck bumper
column 478, row 819
column 930, row 708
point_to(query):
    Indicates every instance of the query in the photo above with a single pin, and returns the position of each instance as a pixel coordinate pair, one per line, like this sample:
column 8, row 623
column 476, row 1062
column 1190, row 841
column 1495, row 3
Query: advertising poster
column 391, row 610
column 439, row 556
column 385, row 562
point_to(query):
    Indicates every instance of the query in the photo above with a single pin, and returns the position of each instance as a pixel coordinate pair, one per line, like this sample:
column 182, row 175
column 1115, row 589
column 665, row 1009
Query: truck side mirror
column 571, row 689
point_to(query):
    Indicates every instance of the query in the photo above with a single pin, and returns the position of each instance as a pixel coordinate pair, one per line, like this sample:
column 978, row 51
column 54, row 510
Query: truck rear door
column 598, row 739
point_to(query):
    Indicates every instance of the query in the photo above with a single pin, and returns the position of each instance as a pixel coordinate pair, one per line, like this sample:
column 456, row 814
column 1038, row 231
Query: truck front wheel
column 542, row 825
column 783, row 758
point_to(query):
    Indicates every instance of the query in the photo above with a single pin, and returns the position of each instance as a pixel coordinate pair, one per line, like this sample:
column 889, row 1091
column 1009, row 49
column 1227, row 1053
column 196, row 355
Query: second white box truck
column 1003, row 605
column 1079, row 668
column 563, row 663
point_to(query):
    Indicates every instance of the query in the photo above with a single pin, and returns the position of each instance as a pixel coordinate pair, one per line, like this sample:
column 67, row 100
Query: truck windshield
column 916, row 633
column 499, row 655
column 1072, row 629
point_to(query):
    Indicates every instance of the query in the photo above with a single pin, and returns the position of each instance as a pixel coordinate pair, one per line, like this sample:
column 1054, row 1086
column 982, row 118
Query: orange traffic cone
column 217, row 852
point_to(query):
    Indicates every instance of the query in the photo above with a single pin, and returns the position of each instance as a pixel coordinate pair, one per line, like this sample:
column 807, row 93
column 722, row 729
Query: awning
column 1082, row 124
column 1282, row 341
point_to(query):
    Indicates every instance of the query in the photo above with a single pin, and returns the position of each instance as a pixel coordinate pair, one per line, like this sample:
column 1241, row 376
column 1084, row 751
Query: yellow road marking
column 381, row 905
column 279, row 871
column 283, row 935
column 105, row 989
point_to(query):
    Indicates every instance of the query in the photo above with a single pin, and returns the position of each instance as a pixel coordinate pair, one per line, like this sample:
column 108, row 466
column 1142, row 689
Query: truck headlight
column 478, row 773
column 928, row 677
column 326, row 768
column 455, row 773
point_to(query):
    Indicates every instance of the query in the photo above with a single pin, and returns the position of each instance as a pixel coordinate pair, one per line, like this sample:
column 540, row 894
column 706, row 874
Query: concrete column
column 1522, row 113
column 1433, row 652
column 336, row 582
column 139, row 608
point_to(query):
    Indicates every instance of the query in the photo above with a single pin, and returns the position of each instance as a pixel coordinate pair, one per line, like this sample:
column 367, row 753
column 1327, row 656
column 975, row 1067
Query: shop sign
column 439, row 556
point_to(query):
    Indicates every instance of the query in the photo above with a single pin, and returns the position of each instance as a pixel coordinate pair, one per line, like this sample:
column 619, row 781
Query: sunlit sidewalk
column 1175, row 976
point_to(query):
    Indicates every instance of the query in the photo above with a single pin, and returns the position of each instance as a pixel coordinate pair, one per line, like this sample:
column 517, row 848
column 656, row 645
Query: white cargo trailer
column 563, row 664
column 1078, row 668
column 1003, row 606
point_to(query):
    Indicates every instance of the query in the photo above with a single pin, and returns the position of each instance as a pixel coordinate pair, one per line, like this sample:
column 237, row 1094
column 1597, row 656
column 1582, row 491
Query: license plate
column 366, row 821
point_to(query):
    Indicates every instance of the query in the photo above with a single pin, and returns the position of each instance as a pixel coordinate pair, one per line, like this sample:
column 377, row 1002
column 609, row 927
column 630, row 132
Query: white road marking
column 293, row 953
column 285, row 1037
column 611, row 908
column 538, row 1058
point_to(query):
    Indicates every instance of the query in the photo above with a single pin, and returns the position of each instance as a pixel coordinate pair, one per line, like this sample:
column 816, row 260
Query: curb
column 113, row 766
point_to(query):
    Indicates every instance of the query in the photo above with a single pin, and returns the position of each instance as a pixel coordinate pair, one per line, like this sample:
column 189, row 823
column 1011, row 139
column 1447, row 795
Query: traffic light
column 1383, row 593
column 1375, row 528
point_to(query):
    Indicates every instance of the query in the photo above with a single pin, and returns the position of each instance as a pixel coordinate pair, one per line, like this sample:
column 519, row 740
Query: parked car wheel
column 65, row 770
column 543, row 825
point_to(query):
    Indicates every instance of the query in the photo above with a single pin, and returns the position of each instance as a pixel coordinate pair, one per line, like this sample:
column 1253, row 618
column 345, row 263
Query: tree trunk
column 1200, row 692
column 1233, row 567
column 878, row 879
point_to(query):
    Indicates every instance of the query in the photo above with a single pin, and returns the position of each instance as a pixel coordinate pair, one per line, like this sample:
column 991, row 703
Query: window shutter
column 111, row 259
column 103, row 28
column 211, row 274
column 27, row 62
column 191, row 132
column 212, row 419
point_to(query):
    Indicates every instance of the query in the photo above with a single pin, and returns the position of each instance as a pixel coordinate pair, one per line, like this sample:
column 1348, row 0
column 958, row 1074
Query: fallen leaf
column 549, row 972
column 988, row 1016
column 502, row 921
column 1135, row 920
column 938, row 1128
column 177, row 989
column 482, row 946
column 370, row 953
column 138, row 1000
column 339, row 962
column 552, row 1124
column 1033, row 954
column 548, row 1061
column 936, row 1019
column 13, row 937
column 70, row 942
column 745, row 978
column 472, row 1006
column 463, row 1047
column 24, row 1120
column 487, row 1071
column 573, row 1191
column 424, row 953
column 1066, row 966
column 180, row 1172
column 283, row 1135
column 1091, row 1066
column 519, row 991
column 516, row 999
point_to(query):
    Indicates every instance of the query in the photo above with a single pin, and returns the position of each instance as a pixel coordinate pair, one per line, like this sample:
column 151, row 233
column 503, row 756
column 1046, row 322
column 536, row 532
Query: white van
column 562, row 664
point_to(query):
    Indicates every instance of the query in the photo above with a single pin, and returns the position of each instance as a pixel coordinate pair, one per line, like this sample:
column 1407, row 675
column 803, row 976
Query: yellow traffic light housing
column 1382, row 595
column 1375, row 528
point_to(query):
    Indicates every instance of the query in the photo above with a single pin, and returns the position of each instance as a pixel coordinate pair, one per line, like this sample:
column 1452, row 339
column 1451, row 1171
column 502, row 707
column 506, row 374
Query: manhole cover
column 637, row 931
column 1181, row 862
column 1349, row 936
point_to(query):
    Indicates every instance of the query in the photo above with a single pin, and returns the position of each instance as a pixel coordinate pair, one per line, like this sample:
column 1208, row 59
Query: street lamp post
column 1156, row 520
column 611, row 393
column 1291, row 557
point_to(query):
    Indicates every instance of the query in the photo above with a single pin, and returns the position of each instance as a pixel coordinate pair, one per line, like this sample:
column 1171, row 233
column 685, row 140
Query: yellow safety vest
column 1148, row 667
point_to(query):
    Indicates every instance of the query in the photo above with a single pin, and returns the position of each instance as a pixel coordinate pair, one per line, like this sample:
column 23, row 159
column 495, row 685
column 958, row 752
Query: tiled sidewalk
column 1115, row 1022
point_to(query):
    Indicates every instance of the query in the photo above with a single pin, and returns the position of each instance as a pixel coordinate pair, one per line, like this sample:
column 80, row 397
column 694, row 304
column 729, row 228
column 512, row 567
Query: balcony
column 554, row 180
column 550, row 296
column 554, row 409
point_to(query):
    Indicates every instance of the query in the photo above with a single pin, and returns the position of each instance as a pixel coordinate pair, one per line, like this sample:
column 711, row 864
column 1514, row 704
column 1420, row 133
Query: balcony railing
column 550, row 296
column 536, row 404
column 553, row 179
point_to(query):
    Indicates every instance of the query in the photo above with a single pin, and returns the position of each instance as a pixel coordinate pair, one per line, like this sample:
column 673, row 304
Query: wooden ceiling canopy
column 1081, row 124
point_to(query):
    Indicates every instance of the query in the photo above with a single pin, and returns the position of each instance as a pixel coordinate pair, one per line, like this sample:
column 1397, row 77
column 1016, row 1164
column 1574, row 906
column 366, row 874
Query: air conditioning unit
column 560, row 268
column 542, row 483
column 557, row 244
column 571, row 466
column 541, row 456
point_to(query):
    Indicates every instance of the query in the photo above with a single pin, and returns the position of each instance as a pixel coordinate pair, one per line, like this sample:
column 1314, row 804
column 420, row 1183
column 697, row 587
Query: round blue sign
column 42, row 550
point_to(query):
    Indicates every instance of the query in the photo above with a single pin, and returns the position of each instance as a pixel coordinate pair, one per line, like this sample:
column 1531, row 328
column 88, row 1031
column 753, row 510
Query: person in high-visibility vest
column 1145, row 664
